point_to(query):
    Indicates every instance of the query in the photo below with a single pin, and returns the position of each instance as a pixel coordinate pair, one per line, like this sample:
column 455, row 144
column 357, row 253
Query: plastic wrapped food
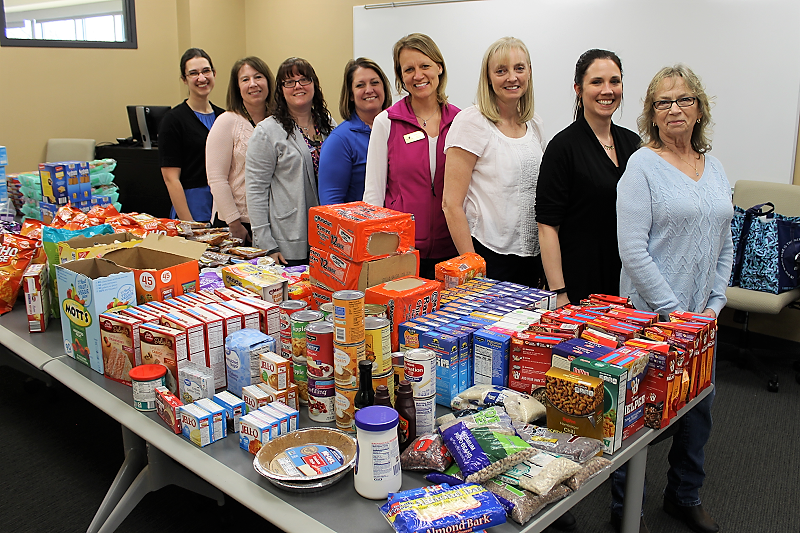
column 578, row 449
column 520, row 407
column 427, row 452
column 16, row 253
column 494, row 417
column 452, row 475
column 522, row 505
column 588, row 470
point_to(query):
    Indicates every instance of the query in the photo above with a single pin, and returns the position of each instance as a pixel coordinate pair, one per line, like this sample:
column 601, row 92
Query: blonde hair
column 424, row 45
column 486, row 97
column 701, row 141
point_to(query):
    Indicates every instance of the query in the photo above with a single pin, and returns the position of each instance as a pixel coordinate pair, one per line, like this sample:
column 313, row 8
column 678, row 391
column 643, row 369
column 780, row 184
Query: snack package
column 461, row 269
column 519, row 406
column 427, row 452
column 16, row 253
column 579, row 449
column 464, row 508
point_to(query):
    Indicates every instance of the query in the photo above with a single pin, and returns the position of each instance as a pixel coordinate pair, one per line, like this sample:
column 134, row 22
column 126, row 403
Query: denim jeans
column 686, row 458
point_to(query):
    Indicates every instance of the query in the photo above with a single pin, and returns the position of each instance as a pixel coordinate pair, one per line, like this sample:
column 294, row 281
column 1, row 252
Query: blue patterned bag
column 766, row 249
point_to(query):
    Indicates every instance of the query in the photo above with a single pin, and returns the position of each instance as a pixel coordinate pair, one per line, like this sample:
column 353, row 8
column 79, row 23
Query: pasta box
column 87, row 289
column 447, row 364
column 162, row 266
column 491, row 352
column 359, row 231
column 337, row 273
column 405, row 298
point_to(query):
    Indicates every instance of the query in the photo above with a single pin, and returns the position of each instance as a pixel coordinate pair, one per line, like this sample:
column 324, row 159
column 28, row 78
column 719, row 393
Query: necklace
column 608, row 147
column 425, row 120
column 248, row 117
column 694, row 167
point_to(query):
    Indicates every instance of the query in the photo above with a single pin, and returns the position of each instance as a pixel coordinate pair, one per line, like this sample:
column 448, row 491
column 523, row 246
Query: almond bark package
column 358, row 231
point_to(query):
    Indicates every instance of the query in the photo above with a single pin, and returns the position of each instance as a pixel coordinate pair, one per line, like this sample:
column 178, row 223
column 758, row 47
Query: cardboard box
column 95, row 246
column 575, row 403
column 234, row 407
column 215, row 342
column 270, row 287
column 164, row 346
column 491, row 351
column 530, row 356
column 565, row 352
column 615, row 380
column 87, row 289
column 447, row 364
column 336, row 273
column 404, row 298
column 195, row 335
column 461, row 269
column 36, row 286
column 163, row 266
column 269, row 316
column 54, row 183
column 121, row 347
column 360, row 232
column 168, row 408
column 196, row 424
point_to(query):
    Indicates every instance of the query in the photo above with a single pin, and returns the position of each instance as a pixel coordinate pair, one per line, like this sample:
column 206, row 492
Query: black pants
column 508, row 267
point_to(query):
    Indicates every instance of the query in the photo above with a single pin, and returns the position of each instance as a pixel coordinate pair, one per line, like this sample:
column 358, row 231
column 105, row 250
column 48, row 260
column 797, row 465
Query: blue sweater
column 343, row 162
column 674, row 235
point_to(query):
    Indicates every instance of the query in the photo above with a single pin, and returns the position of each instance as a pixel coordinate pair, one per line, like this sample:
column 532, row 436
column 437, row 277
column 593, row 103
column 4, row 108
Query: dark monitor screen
column 145, row 121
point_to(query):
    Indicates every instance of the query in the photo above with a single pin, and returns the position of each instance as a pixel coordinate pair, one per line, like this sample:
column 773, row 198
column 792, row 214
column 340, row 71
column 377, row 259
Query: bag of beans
column 427, row 452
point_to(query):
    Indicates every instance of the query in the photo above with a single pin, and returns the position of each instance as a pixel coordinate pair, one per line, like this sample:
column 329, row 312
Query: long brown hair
column 280, row 109
column 235, row 101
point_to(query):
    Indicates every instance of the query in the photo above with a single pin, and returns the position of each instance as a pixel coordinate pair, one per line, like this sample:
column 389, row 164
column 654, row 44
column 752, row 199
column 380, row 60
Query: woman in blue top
column 182, row 140
column 343, row 161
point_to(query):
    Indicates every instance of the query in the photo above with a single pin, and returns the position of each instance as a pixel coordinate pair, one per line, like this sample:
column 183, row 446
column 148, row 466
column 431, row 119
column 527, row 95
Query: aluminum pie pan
column 341, row 441
column 314, row 486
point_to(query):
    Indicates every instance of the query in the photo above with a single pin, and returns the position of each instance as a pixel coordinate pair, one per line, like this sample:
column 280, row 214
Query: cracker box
column 491, row 351
column 461, row 269
column 269, row 286
column 95, row 246
column 121, row 347
column 219, row 426
column 359, row 231
column 405, row 299
column 615, row 380
column 168, row 408
column 163, row 266
column 242, row 351
column 54, row 183
column 194, row 382
column 275, row 370
column 36, row 286
column 269, row 316
column 213, row 326
column 164, row 346
column 336, row 273
column 234, row 406
column 575, row 403
column 254, row 397
column 253, row 433
column 87, row 289
column 196, row 424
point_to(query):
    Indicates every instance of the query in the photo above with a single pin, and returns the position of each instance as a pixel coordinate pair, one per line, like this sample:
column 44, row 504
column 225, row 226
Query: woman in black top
column 577, row 189
column 182, row 140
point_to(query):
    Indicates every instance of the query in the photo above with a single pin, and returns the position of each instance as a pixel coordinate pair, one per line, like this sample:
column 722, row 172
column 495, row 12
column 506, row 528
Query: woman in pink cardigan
column 250, row 88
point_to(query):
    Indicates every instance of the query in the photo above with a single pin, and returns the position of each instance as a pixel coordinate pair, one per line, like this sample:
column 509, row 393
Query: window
column 68, row 23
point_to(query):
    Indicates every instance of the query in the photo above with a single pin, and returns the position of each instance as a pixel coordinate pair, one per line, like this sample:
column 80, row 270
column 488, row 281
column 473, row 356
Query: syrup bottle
column 365, row 395
column 382, row 396
column 404, row 404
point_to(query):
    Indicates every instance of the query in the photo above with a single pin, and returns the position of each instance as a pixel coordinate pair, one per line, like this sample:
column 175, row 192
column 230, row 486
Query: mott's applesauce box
column 87, row 289
column 405, row 299
column 358, row 231
column 269, row 286
column 575, row 403
column 95, row 246
column 615, row 380
column 35, row 285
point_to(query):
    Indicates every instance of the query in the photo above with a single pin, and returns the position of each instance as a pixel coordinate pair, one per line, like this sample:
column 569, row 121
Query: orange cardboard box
column 163, row 267
column 334, row 272
column 405, row 298
column 319, row 296
column 359, row 231
column 461, row 269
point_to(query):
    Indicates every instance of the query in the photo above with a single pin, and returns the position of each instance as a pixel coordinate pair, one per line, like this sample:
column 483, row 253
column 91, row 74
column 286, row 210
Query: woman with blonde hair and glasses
column 405, row 160
column 494, row 150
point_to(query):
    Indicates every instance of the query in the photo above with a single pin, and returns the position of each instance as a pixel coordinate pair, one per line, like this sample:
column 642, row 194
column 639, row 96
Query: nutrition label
column 385, row 459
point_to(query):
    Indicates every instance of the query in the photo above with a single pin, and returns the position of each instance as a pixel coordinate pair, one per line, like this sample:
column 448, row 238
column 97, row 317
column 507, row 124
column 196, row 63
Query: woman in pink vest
column 405, row 159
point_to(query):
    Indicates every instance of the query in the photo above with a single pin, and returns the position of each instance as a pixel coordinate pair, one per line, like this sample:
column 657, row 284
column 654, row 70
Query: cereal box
column 235, row 408
column 242, row 350
column 164, row 346
column 219, row 427
column 359, row 231
column 405, row 299
column 196, row 424
column 168, row 408
column 575, row 403
column 36, row 286
column 615, row 380
column 461, row 269
column 121, row 347
column 448, row 379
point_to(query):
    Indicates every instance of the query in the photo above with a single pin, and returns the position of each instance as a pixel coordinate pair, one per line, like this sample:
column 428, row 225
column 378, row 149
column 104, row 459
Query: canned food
column 387, row 379
column 326, row 309
column 348, row 317
column 420, row 371
column 376, row 310
column 345, row 363
column 377, row 335
column 286, row 346
column 301, row 380
column 426, row 414
column 399, row 369
column 319, row 350
column 300, row 320
column 287, row 309
column 346, row 409
column 321, row 400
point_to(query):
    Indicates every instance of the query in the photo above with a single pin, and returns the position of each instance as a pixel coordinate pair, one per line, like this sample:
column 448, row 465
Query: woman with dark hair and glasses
column 282, row 163
column 577, row 188
column 343, row 162
column 249, row 89
column 182, row 140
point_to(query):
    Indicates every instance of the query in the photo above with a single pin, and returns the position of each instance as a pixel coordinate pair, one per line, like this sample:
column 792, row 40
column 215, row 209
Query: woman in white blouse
column 494, row 150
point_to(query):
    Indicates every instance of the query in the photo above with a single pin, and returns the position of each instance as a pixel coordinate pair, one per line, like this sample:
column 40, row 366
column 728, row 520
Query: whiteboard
column 747, row 52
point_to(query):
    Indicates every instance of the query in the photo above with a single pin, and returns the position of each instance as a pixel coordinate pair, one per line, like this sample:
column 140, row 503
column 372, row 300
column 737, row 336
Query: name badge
column 413, row 136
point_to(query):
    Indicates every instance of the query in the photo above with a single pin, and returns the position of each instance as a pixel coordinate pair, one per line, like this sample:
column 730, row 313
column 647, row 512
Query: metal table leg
column 634, row 489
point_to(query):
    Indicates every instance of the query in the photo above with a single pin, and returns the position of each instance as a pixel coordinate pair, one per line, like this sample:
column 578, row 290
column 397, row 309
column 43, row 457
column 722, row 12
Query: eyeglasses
column 663, row 105
column 193, row 74
column 290, row 84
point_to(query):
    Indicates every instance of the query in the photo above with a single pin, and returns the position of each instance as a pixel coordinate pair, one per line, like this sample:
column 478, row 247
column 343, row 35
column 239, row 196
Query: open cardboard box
column 163, row 267
column 95, row 246
column 336, row 273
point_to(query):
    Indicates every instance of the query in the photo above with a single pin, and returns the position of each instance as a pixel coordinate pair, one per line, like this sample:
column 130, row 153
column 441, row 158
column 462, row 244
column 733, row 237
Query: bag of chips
column 16, row 253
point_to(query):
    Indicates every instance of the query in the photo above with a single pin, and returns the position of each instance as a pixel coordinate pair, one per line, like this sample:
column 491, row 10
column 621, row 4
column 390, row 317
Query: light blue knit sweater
column 674, row 235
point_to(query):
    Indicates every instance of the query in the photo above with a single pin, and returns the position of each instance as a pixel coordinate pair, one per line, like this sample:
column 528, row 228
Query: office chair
column 69, row 150
column 786, row 199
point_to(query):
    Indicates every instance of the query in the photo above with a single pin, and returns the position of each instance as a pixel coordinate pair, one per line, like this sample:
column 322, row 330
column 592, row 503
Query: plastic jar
column 144, row 380
column 377, row 470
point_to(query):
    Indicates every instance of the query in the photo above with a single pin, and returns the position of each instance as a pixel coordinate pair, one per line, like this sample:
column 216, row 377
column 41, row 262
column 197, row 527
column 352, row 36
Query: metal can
column 378, row 338
column 346, row 409
column 420, row 371
column 426, row 414
column 319, row 350
column 376, row 310
column 287, row 308
column 326, row 309
column 321, row 400
column 399, row 370
column 301, row 380
column 286, row 346
column 300, row 320
column 387, row 378
column 345, row 363
column 348, row 317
